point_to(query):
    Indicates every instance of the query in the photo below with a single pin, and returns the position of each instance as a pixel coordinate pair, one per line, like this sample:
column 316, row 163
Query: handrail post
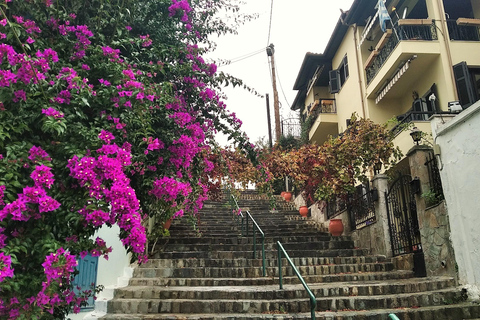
column 254, row 244
column 280, row 279
column 263, row 254
column 313, row 300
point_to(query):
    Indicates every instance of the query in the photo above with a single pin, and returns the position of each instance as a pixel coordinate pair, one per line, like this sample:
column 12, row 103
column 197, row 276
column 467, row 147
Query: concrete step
column 293, row 291
column 269, row 254
column 227, row 305
column 270, row 280
column 459, row 311
column 181, row 263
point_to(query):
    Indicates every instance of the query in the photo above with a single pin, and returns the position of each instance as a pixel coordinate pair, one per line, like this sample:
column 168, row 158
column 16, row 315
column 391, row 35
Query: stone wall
column 437, row 247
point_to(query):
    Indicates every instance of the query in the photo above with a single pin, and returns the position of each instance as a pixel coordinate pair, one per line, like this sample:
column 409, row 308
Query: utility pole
column 276, row 107
column 269, row 122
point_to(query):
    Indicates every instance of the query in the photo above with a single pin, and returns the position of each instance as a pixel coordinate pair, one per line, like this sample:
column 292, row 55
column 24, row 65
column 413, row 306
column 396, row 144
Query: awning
column 394, row 80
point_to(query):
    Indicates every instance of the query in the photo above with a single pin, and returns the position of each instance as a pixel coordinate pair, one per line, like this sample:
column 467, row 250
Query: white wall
column 459, row 141
column 112, row 273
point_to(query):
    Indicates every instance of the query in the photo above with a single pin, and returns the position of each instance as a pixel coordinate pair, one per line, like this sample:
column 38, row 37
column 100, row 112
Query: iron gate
column 402, row 217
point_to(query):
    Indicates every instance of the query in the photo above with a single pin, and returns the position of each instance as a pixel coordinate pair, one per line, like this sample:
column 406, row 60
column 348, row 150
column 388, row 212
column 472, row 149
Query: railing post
column 263, row 254
column 254, row 243
column 280, row 280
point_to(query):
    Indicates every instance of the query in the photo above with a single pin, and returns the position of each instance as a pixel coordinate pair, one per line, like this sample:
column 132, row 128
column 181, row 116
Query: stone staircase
column 210, row 273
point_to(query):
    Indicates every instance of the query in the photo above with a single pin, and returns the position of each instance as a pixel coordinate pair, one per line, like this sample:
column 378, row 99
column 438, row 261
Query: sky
column 296, row 28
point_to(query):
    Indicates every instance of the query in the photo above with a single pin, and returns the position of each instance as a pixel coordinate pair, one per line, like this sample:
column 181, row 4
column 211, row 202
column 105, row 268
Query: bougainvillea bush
column 107, row 113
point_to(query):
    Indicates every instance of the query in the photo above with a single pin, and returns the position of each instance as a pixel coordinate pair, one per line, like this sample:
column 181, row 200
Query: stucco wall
column 459, row 140
column 111, row 273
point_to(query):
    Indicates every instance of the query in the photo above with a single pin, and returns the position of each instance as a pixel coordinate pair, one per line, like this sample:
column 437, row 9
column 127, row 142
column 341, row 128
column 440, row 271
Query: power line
column 281, row 87
column 240, row 58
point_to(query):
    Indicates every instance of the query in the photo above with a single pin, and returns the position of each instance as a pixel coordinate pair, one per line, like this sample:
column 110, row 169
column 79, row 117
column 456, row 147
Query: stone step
column 179, row 306
column 260, row 281
column 447, row 312
column 250, row 272
column 269, row 254
column 180, row 263
column 320, row 245
column 234, row 239
column 341, row 289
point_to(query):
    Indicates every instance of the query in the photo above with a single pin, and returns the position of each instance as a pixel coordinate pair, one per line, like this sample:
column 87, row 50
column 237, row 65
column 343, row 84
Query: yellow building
column 426, row 58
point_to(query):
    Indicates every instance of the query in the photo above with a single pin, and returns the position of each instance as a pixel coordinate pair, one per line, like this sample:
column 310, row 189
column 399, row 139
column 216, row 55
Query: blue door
column 87, row 277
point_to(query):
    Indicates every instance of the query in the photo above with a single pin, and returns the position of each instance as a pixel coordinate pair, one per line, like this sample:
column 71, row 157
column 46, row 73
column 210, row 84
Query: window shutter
column 334, row 81
column 345, row 63
column 465, row 88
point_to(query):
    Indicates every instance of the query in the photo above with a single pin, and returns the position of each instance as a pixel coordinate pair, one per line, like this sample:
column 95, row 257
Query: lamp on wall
column 416, row 135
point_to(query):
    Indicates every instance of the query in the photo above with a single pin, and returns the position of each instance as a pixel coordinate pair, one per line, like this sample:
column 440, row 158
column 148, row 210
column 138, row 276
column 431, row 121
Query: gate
column 402, row 217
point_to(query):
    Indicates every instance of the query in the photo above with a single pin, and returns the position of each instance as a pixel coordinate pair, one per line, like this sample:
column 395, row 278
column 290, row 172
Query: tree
column 107, row 113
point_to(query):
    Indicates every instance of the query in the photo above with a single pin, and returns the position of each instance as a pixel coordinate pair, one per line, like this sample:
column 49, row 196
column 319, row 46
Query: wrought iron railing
column 313, row 300
column 462, row 33
column 435, row 194
column 400, row 33
column 408, row 117
column 335, row 206
column 361, row 209
column 244, row 221
column 291, row 127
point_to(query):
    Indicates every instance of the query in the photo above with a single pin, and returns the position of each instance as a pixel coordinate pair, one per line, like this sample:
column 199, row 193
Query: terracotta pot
column 167, row 224
column 303, row 211
column 335, row 227
column 283, row 194
column 288, row 196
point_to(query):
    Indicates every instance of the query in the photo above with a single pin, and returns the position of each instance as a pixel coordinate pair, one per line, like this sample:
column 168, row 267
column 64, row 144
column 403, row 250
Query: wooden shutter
column 334, row 82
column 465, row 88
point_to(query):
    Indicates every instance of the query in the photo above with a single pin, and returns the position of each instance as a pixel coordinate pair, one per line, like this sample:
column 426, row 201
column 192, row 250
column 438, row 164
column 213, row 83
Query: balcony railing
column 323, row 106
column 408, row 117
column 400, row 33
column 462, row 32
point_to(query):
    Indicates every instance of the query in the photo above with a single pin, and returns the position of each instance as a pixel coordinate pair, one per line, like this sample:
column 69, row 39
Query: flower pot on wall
column 167, row 224
column 303, row 211
column 335, row 227
column 288, row 196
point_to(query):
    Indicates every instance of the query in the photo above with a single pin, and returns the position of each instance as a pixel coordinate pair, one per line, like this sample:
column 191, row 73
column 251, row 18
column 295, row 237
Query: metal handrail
column 313, row 300
column 393, row 317
column 255, row 229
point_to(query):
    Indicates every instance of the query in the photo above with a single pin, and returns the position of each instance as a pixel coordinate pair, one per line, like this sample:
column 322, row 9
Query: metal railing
column 361, row 208
column 400, row 33
column 244, row 220
column 435, row 181
column 291, row 127
column 408, row 117
column 462, row 33
column 313, row 300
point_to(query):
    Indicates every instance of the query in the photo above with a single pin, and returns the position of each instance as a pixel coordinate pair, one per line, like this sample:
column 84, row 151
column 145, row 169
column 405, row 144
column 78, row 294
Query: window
column 468, row 85
column 339, row 76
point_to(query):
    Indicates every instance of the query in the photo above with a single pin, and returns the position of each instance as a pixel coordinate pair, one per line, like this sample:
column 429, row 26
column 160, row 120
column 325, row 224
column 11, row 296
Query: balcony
column 407, row 121
column 411, row 39
column 464, row 29
column 405, row 29
column 324, row 111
